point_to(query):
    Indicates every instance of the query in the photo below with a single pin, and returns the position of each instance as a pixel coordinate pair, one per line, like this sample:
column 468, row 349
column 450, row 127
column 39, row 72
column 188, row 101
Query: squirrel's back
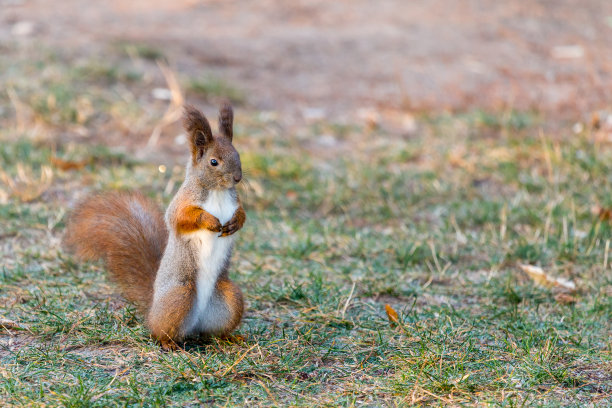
column 128, row 232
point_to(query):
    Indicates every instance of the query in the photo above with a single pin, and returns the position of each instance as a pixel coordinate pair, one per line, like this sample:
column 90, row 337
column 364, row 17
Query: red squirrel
column 174, row 270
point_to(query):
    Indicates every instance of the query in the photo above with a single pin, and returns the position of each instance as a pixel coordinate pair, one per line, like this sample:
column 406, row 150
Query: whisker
column 246, row 188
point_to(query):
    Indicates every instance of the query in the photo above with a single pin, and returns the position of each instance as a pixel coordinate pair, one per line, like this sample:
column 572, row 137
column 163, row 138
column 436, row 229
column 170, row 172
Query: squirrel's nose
column 237, row 177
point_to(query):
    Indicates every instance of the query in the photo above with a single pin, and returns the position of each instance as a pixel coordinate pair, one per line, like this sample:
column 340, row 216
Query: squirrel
column 173, row 268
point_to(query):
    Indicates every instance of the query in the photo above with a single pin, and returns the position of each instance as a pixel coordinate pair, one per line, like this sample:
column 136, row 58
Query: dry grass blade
column 26, row 187
column 235, row 363
column 174, row 111
column 541, row 278
column 348, row 300
column 4, row 195
column 22, row 111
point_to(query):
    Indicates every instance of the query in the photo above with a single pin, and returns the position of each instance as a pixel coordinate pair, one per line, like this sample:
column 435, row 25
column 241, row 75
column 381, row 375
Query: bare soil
column 335, row 58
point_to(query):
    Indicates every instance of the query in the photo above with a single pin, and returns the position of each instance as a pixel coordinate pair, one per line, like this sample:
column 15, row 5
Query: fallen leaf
column 11, row 324
column 565, row 299
column 456, row 159
column 595, row 121
column 391, row 314
column 604, row 214
column 541, row 278
column 68, row 165
column 371, row 117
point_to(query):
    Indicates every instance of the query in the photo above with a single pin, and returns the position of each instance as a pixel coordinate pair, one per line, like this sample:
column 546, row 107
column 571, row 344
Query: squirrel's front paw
column 215, row 226
column 234, row 224
column 209, row 222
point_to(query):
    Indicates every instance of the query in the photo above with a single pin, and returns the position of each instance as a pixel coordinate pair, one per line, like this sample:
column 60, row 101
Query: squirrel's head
column 214, row 160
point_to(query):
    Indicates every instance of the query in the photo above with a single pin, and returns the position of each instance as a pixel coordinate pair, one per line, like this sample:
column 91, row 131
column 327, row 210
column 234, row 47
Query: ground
column 401, row 163
column 352, row 54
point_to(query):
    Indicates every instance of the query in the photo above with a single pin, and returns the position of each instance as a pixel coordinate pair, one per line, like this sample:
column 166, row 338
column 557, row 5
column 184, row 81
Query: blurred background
column 350, row 62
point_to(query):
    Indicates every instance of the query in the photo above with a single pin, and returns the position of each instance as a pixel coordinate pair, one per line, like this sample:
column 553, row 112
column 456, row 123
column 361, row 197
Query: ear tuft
column 226, row 120
column 198, row 130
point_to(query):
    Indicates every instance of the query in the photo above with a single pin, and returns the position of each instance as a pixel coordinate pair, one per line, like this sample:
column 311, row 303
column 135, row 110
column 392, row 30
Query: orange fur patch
column 191, row 218
column 232, row 295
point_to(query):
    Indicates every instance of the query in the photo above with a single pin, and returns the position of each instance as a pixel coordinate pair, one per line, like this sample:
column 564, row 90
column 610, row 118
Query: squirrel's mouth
column 226, row 183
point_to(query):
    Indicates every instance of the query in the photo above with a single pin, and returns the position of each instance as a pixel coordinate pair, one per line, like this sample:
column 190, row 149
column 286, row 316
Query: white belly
column 212, row 252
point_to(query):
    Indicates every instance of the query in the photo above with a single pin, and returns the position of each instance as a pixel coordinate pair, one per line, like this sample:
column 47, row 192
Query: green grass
column 212, row 87
column 434, row 225
column 140, row 50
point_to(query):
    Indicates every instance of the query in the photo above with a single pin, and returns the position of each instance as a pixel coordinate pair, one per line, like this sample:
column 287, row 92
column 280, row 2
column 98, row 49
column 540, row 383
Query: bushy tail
column 127, row 231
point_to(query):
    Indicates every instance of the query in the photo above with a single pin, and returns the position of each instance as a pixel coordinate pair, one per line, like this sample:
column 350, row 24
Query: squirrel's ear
column 198, row 130
column 226, row 120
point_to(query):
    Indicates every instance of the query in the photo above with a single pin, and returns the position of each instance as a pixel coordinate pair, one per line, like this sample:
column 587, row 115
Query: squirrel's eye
column 214, row 162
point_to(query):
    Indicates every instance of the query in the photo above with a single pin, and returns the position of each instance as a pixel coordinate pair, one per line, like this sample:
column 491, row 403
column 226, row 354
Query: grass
column 433, row 225
column 140, row 50
column 211, row 87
